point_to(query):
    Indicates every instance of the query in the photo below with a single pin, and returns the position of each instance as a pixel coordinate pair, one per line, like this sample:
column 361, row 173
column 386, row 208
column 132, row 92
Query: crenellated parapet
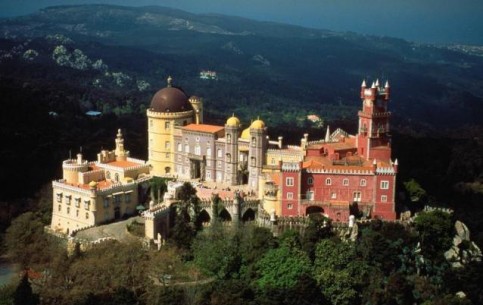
column 168, row 115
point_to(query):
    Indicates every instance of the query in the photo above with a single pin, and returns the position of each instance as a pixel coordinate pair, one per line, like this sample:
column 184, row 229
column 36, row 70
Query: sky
column 431, row 21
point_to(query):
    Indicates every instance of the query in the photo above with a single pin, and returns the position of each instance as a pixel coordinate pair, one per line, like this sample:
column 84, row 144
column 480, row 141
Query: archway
column 204, row 218
column 224, row 215
column 314, row 209
column 249, row 215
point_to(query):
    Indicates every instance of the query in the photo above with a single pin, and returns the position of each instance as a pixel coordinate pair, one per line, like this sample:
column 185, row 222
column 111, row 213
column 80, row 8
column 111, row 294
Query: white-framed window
column 197, row 150
column 289, row 206
column 180, row 147
column 333, row 195
column 59, row 197
column 254, row 161
column 363, row 182
column 357, row 196
column 77, row 202
column 310, row 180
column 186, row 148
column 68, row 199
column 383, row 198
column 289, row 195
column 86, row 204
column 219, row 177
column 208, row 152
column 310, row 195
column 208, row 174
column 254, row 142
column 328, row 181
column 289, row 181
column 219, row 153
column 228, row 157
column 167, row 125
column 228, row 138
column 384, row 185
column 208, row 162
column 345, row 182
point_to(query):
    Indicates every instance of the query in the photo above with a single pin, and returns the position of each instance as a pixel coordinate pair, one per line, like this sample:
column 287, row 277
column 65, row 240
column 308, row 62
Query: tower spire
column 327, row 135
column 170, row 81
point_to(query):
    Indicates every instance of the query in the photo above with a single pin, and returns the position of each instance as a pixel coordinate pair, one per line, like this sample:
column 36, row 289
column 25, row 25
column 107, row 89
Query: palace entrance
column 197, row 167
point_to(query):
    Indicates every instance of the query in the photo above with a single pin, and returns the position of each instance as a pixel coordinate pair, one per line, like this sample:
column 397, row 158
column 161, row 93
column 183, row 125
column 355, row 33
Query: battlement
column 290, row 167
column 169, row 115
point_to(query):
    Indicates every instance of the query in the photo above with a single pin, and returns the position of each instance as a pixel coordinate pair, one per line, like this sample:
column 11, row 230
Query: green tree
column 415, row 191
column 435, row 230
column 24, row 295
column 339, row 272
column 282, row 268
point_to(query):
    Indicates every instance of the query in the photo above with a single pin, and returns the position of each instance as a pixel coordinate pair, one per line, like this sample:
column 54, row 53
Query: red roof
column 204, row 128
column 122, row 164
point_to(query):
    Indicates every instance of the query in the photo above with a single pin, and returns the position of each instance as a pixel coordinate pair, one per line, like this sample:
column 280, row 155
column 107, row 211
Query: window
column 127, row 198
column 197, row 150
column 219, row 164
column 254, row 142
column 60, row 208
column 228, row 157
column 86, row 204
column 186, row 148
column 167, row 155
column 310, row 195
column 333, row 195
column 219, row 153
column 345, row 182
column 384, row 185
column 357, row 196
column 254, row 161
column 180, row 147
column 208, row 162
column 68, row 210
column 363, row 182
column 310, row 181
column 68, row 199
column 272, row 161
column 167, row 125
column 289, row 195
column 328, row 181
column 167, row 145
column 117, row 200
column 77, row 202
column 208, row 175
column 197, row 139
column 106, row 202
column 383, row 198
column 228, row 138
column 208, row 152
column 116, row 177
column 179, row 158
column 289, row 206
column 289, row 181
column 108, row 174
column 76, row 213
column 59, row 197
column 87, row 215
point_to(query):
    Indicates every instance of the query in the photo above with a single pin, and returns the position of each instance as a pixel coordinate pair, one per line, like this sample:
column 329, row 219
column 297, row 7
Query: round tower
column 197, row 104
column 256, row 153
column 232, row 127
column 170, row 107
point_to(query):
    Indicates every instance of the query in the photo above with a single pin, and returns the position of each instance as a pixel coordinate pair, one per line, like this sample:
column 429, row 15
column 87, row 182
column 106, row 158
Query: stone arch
column 224, row 215
column 314, row 209
column 248, row 215
column 204, row 217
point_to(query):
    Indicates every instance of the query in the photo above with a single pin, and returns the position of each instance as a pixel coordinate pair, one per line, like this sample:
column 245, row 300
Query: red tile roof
column 204, row 128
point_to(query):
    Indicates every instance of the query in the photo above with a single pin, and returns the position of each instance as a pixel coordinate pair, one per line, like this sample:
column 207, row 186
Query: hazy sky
column 457, row 21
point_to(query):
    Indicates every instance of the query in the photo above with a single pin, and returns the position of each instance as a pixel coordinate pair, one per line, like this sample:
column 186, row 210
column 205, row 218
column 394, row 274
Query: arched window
column 363, row 182
column 254, row 142
column 219, row 153
column 116, row 177
column 186, row 148
column 208, row 152
column 180, row 147
column 228, row 157
column 228, row 138
column 310, row 181
column 197, row 149
column 254, row 161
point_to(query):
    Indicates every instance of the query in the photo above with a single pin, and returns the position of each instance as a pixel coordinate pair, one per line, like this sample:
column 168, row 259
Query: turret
column 387, row 91
column 120, row 152
column 197, row 104
column 232, row 127
column 363, row 88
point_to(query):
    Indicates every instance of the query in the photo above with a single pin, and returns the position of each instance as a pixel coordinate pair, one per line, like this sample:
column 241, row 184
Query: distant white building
column 208, row 74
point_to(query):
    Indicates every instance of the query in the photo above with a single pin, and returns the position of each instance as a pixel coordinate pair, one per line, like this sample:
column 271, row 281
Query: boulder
column 462, row 230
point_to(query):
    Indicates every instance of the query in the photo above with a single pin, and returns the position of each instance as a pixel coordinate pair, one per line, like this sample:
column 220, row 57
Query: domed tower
column 231, row 148
column 169, row 107
column 256, row 153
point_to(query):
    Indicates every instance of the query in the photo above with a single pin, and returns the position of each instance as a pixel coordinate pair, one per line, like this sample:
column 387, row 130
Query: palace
column 331, row 176
column 92, row 193
column 337, row 176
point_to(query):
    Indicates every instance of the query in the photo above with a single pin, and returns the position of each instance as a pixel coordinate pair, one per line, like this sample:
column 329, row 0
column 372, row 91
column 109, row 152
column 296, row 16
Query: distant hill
column 276, row 71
